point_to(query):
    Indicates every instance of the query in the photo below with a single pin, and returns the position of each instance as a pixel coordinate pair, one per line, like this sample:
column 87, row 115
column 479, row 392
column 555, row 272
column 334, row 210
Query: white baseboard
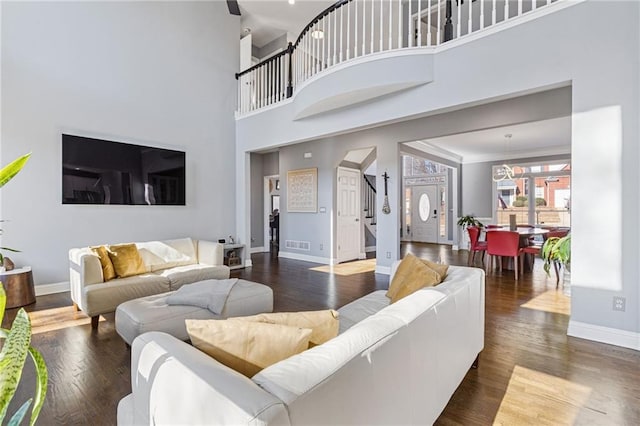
column 611, row 336
column 386, row 270
column 362, row 256
column 306, row 258
column 248, row 262
column 44, row 289
column 369, row 249
column 257, row 250
column 455, row 247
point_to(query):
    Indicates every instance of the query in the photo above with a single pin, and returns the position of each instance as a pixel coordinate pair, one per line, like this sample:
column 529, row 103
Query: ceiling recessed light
column 317, row 34
column 292, row 1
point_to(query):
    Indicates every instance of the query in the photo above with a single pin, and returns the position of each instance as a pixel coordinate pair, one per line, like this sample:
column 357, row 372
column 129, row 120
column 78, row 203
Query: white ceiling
column 547, row 137
column 270, row 19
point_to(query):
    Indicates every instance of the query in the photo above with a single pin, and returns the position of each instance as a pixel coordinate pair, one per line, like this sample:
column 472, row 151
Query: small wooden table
column 18, row 284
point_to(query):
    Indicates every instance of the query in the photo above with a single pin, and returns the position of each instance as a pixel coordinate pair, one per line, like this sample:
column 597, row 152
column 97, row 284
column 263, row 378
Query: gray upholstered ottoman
column 152, row 313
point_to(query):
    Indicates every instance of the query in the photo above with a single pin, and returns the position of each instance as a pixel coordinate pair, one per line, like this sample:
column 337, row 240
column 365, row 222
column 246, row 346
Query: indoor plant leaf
column 12, row 359
column 3, row 302
column 41, row 384
column 17, row 417
column 12, row 169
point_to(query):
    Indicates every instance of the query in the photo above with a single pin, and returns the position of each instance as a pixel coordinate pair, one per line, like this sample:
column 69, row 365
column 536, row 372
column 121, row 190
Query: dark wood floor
column 530, row 371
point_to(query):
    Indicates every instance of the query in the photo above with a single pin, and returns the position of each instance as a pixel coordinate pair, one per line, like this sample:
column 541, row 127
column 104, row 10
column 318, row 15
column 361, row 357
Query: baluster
column 373, row 9
column 364, row 27
column 534, row 4
column 438, row 31
column 316, row 42
column 335, row 37
column 390, row 24
column 307, row 38
column 399, row 24
column 470, row 9
column 493, row 13
column 482, row 15
column 409, row 28
column 458, row 23
column 519, row 7
column 428, row 23
column 380, row 27
column 348, row 28
column 548, row 2
column 355, row 29
column 268, row 85
column 419, row 24
column 341, row 31
column 324, row 43
column 506, row 10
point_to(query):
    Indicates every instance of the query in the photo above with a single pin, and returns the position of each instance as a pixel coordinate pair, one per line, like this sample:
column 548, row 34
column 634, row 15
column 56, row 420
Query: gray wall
column 152, row 73
column 538, row 54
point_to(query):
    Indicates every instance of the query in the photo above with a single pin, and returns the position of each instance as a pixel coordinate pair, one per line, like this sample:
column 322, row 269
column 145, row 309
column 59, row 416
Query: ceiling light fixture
column 505, row 171
column 317, row 34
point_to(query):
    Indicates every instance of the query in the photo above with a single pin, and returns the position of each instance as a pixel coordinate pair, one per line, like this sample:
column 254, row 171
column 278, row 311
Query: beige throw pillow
column 324, row 325
column 126, row 260
column 412, row 274
column 108, row 272
column 247, row 347
column 440, row 268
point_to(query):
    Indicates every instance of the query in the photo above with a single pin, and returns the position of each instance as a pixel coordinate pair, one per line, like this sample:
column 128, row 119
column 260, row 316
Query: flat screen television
column 96, row 171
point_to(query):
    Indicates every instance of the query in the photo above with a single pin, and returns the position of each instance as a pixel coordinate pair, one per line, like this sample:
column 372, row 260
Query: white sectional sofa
column 391, row 364
column 169, row 265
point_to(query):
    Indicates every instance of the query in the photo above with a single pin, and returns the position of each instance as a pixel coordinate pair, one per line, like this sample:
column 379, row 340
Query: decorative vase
column 8, row 264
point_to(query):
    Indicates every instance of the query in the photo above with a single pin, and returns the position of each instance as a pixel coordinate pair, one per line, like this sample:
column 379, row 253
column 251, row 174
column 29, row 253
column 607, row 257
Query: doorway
column 271, row 213
column 348, row 214
column 424, row 214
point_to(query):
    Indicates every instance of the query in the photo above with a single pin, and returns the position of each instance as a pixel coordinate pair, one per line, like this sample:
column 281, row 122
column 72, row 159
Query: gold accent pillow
column 108, row 273
column 324, row 325
column 412, row 274
column 126, row 260
column 440, row 268
column 244, row 346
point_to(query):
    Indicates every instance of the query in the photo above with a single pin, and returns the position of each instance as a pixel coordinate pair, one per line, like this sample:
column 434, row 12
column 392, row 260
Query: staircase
column 369, row 209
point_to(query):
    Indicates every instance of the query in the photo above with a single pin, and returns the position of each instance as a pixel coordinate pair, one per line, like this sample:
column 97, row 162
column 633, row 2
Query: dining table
column 526, row 233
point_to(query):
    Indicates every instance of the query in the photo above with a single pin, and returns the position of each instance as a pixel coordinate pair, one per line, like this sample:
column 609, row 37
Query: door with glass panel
column 425, row 214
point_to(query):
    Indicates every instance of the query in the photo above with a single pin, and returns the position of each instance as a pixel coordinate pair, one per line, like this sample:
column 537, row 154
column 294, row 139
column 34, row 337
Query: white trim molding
column 369, row 249
column 257, row 250
column 385, row 270
column 307, row 258
column 44, row 289
column 611, row 336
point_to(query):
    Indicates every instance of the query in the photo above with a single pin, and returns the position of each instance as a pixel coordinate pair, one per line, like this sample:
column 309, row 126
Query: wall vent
column 298, row 245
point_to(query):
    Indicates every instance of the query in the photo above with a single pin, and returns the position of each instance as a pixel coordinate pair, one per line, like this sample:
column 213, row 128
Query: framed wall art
column 302, row 191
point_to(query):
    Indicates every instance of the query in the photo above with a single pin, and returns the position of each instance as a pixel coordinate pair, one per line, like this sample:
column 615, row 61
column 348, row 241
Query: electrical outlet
column 619, row 303
column 388, row 255
column 321, row 246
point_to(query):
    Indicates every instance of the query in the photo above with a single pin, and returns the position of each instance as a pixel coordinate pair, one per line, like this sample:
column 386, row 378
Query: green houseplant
column 469, row 220
column 17, row 344
column 557, row 251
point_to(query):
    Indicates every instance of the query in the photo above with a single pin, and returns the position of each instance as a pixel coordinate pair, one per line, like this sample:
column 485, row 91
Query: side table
column 18, row 284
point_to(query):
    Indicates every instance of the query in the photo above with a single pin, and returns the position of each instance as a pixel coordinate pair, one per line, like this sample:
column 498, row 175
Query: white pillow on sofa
column 158, row 255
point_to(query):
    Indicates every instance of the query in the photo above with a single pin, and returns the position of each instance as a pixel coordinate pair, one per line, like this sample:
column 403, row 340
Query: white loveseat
column 391, row 364
column 169, row 265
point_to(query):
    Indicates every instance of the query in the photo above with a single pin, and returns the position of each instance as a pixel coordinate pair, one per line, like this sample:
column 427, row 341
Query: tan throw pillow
column 440, row 268
column 324, row 325
column 108, row 273
column 412, row 274
column 247, row 347
column 126, row 260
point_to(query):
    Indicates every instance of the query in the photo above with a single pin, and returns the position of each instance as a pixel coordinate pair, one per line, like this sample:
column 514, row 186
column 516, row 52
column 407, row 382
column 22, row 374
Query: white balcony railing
column 354, row 28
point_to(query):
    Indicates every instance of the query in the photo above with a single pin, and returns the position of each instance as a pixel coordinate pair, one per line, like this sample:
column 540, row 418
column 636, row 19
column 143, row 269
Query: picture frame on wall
column 302, row 191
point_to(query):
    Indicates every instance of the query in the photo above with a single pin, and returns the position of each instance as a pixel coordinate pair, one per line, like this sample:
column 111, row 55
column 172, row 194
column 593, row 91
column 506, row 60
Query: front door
column 349, row 225
column 424, row 214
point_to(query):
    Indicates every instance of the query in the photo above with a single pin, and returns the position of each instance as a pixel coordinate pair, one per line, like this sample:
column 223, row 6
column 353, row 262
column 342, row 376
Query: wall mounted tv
column 96, row 171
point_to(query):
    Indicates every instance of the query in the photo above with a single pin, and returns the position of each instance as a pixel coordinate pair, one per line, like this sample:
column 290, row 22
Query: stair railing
column 350, row 29
column 369, row 198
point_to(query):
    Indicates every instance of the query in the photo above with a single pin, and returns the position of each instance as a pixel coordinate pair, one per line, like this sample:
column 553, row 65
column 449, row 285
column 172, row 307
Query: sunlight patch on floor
column 349, row 268
column 535, row 398
column 57, row 319
column 554, row 301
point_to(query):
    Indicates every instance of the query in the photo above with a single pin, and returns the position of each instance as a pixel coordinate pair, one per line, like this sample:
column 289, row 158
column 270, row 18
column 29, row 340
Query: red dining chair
column 504, row 243
column 476, row 245
column 493, row 226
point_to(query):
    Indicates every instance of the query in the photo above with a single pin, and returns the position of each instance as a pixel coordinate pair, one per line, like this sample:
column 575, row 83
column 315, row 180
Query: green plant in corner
column 469, row 220
column 17, row 344
column 557, row 250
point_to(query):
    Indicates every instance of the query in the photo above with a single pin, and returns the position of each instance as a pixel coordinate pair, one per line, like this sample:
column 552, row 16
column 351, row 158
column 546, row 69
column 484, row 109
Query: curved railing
column 350, row 29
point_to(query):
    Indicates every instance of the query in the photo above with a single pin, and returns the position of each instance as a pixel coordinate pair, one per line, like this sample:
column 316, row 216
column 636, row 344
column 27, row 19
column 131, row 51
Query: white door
column 348, row 209
column 424, row 214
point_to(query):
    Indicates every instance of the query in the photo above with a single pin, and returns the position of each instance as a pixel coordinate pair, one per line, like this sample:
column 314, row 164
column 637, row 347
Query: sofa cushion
column 126, row 260
column 362, row 308
column 323, row 324
column 159, row 255
column 247, row 347
column 108, row 272
column 411, row 275
column 187, row 274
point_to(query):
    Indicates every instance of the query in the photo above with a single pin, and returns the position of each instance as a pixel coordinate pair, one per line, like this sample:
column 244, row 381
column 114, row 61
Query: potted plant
column 557, row 250
column 465, row 222
column 17, row 345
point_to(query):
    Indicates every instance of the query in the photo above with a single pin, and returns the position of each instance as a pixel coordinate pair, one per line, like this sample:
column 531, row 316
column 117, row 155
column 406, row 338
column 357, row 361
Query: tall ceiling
column 270, row 19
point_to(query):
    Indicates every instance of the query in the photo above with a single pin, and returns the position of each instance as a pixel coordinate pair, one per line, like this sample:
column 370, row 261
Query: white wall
column 565, row 47
column 154, row 73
